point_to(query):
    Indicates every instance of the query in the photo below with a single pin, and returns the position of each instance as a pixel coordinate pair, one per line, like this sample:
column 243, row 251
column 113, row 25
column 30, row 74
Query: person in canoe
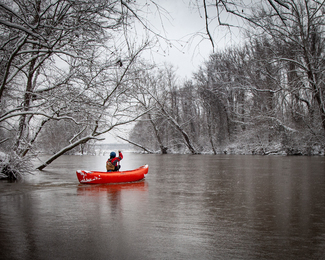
column 112, row 162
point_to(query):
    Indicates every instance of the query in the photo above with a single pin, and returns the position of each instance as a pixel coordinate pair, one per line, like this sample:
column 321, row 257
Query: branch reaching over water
column 135, row 144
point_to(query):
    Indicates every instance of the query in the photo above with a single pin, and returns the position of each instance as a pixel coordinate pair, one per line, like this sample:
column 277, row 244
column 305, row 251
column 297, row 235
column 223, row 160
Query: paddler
column 112, row 163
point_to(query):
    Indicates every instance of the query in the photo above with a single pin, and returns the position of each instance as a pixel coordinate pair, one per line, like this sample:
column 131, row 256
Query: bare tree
column 63, row 60
column 142, row 84
column 301, row 40
column 110, row 106
column 164, row 96
column 219, row 13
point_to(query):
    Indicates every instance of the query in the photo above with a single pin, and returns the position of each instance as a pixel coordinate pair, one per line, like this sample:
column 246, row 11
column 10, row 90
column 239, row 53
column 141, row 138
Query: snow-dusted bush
column 13, row 166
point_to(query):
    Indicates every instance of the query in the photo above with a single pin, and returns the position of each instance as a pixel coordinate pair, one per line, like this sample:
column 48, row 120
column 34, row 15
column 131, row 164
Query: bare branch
column 21, row 28
column 277, row 11
column 66, row 149
column 207, row 24
column 38, row 113
column 135, row 144
column 19, row 45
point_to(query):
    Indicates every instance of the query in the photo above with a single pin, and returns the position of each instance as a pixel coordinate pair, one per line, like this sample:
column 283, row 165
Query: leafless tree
column 297, row 40
column 159, row 91
column 65, row 60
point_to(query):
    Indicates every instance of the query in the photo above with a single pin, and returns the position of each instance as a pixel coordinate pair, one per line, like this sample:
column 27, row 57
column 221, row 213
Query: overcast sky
column 184, row 25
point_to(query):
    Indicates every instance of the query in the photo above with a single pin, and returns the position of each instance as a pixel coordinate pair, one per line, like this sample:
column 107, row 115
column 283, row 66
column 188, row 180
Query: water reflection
column 104, row 189
column 114, row 196
column 188, row 207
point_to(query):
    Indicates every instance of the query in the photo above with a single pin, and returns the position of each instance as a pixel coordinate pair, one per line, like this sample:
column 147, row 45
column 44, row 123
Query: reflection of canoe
column 97, row 189
column 94, row 177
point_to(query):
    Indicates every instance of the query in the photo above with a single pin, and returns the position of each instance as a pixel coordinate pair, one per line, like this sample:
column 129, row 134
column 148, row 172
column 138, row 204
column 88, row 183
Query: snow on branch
column 56, row 51
column 22, row 66
column 37, row 113
column 66, row 149
column 77, row 134
column 281, row 124
column 135, row 144
column 21, row 28
column 3, row 6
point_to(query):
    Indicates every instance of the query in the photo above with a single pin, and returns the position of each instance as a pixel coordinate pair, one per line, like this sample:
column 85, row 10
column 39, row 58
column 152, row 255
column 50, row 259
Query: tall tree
column 64, row 60
column 158, row 90
column 300, row 36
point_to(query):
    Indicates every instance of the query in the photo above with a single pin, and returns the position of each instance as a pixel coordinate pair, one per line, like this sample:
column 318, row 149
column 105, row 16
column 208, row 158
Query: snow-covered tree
column 64, row 60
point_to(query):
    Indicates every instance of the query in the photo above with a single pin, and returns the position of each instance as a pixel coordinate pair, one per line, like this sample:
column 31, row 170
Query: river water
column 188, row 207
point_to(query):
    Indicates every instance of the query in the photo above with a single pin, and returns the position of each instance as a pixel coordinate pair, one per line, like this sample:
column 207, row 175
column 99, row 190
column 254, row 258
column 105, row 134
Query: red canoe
column 94, row 177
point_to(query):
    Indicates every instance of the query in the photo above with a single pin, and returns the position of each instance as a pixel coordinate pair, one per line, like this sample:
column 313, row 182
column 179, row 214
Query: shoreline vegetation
column 13, row 168
column 231, row 149
column 259, row 150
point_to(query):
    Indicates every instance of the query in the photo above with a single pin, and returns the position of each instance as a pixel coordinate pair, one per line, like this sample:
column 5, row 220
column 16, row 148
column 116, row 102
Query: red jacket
column 111, row 164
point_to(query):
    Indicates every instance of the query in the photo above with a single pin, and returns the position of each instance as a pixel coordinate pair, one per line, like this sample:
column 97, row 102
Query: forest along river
column 188, row 207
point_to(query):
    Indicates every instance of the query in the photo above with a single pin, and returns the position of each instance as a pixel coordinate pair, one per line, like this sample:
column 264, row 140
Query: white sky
column 185, row 27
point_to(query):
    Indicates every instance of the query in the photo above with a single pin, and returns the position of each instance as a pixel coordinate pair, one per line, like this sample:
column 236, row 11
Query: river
column 187, row 207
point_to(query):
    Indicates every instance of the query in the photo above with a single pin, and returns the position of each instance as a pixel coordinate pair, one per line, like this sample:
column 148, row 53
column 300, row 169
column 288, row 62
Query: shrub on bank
column 12, row 166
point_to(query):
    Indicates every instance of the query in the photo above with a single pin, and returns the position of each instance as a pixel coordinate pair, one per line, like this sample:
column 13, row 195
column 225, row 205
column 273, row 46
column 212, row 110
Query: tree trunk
column 163, row 148
column 183, row 133
column 64, row 150
column 209, row 122
column 27, row 103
